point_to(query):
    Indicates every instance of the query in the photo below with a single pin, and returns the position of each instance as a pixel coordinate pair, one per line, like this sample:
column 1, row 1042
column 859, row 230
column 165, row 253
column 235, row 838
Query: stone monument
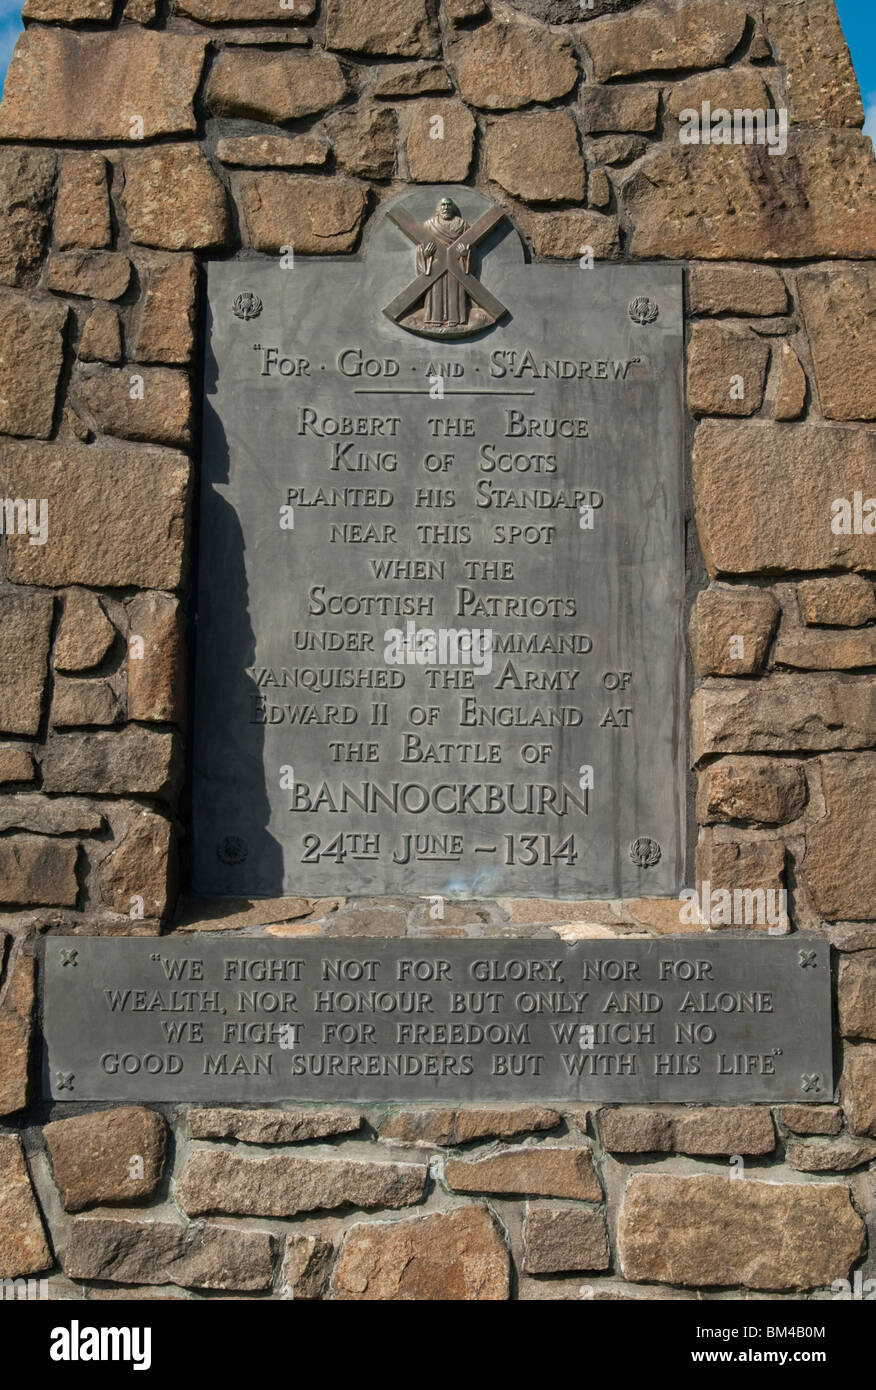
column 438, row 496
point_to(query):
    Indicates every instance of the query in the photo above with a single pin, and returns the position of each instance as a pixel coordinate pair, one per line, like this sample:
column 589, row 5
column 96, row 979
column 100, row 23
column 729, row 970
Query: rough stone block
column 23, row 1245
column 784, row 713
column 764, row 791
column 70, row 87
column 539, row 1171
column 82, row 206
column 209, row 1256
column 271, row 1126
column 165, row 326
column 839, row 307
column 848, row 601
column 149, row 404
column 25, row 629
column 536, row 157
column 731, row 631
column 282, row 1186
column 156, row 673
column 16, row 1022
column 564, row 1238
column 126, row 762
column 745, row 475
column 95, row 1157
column 726, row 371
column 316, row 218
column 27, row 179
column 174, row 199
column 274, row 87
column 448, row 1257
column 138, row 877
column 508, row 63
column 760, row 1235
column 437, row 161
column 117, row 516
column 839, row 868
column 397, row 28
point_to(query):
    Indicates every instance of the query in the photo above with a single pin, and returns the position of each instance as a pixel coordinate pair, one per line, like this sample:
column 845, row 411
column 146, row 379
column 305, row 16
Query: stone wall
column 139, row 140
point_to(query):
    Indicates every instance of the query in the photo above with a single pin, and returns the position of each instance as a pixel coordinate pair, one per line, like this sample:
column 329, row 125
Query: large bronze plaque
column 441, row 571
column 259, row 1019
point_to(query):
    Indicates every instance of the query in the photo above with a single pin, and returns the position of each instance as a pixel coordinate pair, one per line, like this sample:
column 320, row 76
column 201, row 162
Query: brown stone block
column 564, row 1238
column 435, row 1126
column 273, row 151
column 736, row 289
column 220, row 1180
column 125, row 762
column 731, row 631
column 812, row 650
column 411, row 80
column 69, row 11
column 364, row 140
column 764, row 495
column 27, row 180
column 156, row 672
column 25, row 627
column 632, row 107
column 539, row 1171
column 16, row 763
column 445, row 160
column 16, row 1022
column 165, row 327
column 710, row 1132
column 78, row 702
column 307, row 1265
column 784, row 713
column 82, row 206
column 66, row 86
column 567, row 235
column 812, row 1119
column 93, row 1156
column 858, row 1088
column 740, row 203
column 101, row 339
column 839, row 306
column 726, row 371
column 760, row 1235
column 700, row 35
column 274, row 87
column 446, row 1257
column 536, row 157
column 272, row 1126
column 315, row 217
column 149, row 404
column 728, row 89
column 839, row 869
column 243, row 11
column 509, row 62
column 139, row 876
column 37, row 871
column 745, row 879
column 396, row 28
column 23, row 1245
column 829, row 1155
column 856, row 995
column 848, row 601
column 92, row 274
column 765, row 791
column 85, row 633
column 819, row 78
column 791, row 388
column 117, row 515
column 208, row 1256
column 174, row 199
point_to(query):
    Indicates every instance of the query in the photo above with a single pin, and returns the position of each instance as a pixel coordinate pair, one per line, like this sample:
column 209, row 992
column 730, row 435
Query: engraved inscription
column 439, row 615
column 260, row 1019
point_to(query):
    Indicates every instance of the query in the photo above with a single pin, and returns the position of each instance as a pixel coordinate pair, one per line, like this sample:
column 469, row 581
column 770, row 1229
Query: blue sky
column 858, row 20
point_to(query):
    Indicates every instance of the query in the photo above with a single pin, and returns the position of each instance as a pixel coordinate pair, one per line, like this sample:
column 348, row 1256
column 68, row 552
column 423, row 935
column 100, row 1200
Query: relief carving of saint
column 446, row 302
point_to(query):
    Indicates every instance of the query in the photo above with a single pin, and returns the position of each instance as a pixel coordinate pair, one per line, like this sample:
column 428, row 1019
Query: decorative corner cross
column 810, row 1082
column 67, row 955
column 65, row 1080
column 447, row 259
column 807, row 958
